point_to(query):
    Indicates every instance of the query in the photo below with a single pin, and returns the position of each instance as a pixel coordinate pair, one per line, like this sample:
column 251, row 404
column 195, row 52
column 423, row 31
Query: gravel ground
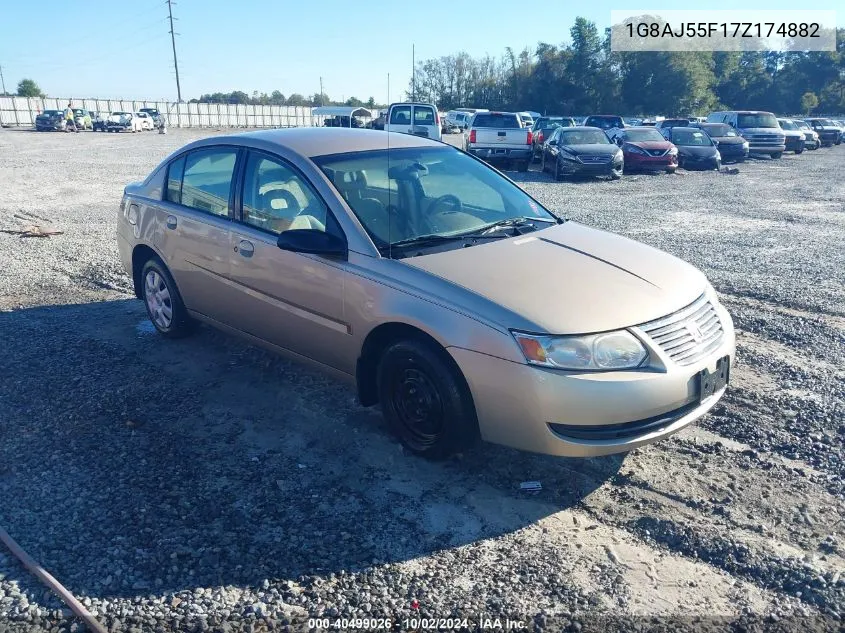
column 203, row 484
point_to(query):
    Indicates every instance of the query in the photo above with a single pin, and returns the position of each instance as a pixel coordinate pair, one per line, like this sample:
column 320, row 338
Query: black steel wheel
column 425, row 399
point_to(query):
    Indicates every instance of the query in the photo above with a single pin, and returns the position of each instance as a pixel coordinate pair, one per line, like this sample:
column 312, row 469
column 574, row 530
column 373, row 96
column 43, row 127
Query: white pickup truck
column 499, row 137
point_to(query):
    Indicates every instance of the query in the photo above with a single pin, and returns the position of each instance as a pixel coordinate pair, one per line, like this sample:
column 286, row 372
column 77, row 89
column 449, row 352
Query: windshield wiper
column 436, row 238
column 513, row 222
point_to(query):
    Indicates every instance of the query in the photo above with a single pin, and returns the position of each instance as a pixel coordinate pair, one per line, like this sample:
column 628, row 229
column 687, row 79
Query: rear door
column 195, row 225
column 425, row 122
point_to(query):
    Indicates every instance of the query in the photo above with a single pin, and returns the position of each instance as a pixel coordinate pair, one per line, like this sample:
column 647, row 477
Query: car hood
column 794, row 133
column 570, row 279
column 591, row 149
column 701, row 151
column 651, row 144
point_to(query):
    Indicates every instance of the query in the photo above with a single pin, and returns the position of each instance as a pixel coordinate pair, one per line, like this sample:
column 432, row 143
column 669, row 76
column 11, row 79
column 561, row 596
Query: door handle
column 171, row 221
column 245, row 248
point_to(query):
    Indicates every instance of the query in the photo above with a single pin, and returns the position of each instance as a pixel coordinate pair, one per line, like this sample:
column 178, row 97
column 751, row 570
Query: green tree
column 28, row 88
column 296, row 99
column 809, row 101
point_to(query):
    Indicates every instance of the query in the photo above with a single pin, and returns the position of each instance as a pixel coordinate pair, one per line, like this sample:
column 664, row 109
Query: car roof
column 319, row 141
column 686, row 128
column 640, row 127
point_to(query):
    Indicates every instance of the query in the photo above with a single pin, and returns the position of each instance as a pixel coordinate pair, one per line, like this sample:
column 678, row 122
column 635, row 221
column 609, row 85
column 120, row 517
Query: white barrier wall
column 23, row 110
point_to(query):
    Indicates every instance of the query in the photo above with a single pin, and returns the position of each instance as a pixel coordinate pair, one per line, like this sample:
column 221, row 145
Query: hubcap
column 418, row 407
column 158, row 300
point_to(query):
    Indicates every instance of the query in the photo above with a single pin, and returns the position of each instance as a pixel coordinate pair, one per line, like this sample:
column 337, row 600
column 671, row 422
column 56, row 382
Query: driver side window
column 277, row 199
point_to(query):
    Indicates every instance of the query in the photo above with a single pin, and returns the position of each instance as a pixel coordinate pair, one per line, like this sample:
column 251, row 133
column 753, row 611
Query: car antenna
column 389, row 201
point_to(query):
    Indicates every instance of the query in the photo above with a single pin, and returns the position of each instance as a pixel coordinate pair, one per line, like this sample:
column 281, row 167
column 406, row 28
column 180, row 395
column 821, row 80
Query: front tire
column 616, row 174
column 163, row 302
column 777, row 155
column 558, row 176
column 425, row 400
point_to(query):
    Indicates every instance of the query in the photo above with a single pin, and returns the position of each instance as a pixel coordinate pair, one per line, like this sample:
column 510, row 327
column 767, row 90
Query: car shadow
column 137, row 465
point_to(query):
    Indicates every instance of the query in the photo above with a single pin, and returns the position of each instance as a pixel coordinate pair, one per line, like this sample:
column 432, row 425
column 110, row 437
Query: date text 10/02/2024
column 415, row 624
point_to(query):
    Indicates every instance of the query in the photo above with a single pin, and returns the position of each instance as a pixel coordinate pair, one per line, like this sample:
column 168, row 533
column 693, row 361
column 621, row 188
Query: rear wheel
column 522, row 165
column 425, row 400
column 163, row 301
column 800, row 150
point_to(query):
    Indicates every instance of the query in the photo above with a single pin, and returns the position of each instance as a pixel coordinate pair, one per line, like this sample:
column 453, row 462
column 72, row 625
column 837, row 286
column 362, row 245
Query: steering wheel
column 454, row 201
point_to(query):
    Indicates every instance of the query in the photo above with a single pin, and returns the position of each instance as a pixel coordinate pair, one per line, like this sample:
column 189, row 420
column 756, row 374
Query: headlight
column 636, row 150
column 718, row 155
column 591, row 352
column 745, row 145
column 618, row 155
column 673, row 151
column 564, row 154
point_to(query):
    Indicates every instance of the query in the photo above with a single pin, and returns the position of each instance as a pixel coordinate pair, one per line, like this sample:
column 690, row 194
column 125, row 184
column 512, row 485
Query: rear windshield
column 551, row 122
column 760, row 119
column 495, row 119
column 690, row 137
column 583, row 137
column 604, row 122
column 719, row 129
column 52, row 112
column 638, row 136
column 675, row 123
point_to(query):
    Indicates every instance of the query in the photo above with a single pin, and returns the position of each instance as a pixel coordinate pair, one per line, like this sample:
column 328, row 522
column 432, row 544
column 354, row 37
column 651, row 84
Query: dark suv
column 604, row 121
column 828, row 132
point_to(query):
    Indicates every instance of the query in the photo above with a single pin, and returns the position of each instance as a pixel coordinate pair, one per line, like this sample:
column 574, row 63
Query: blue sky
column 281, row 45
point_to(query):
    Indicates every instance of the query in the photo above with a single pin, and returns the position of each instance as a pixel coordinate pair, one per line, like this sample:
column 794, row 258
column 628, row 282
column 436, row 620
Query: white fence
column 21, row 111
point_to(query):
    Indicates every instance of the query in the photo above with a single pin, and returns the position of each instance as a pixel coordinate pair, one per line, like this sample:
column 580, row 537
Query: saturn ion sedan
column 435, row 285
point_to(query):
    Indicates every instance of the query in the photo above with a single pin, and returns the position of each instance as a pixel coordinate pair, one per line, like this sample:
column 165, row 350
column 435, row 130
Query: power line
column 170, row 4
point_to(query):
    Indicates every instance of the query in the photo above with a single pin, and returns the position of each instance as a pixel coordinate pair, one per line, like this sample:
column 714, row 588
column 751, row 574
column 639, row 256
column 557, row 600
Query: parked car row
column 604, row 144
column 143, row 119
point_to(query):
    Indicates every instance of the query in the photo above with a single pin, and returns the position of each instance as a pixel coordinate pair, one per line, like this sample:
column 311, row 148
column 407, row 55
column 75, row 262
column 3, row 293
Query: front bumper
column 735, row 151
column 535, row 409
column 794, row 143
column 575, row 167
column 50, row 125
column 638, row 161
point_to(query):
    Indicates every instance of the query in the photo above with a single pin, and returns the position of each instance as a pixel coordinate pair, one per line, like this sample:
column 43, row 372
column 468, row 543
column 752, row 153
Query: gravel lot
column 203, row 484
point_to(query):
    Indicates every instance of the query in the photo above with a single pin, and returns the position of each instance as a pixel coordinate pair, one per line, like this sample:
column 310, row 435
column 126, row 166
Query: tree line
column 584, row 76
column 29, row 88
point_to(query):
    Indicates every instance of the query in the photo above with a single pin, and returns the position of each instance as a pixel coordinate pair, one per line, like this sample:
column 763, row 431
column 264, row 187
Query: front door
column 293, row 300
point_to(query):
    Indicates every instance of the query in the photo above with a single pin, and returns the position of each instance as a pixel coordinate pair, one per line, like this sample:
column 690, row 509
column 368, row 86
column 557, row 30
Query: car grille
column 594, row 159
column 688, row 334
column 657, row 152
column 765, row 138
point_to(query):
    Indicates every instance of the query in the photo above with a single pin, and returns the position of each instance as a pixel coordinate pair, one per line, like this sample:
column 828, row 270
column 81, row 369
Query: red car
column 644, row 148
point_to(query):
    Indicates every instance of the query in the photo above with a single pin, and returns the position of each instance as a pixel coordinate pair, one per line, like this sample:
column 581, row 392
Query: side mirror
column 552, row 141
column 313, row 242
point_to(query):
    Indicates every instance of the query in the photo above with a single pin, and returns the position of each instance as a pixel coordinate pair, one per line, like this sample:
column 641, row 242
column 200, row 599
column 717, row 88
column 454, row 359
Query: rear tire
column 522, row 166
column 800, row 150
column 425, row 400
column 163, row 302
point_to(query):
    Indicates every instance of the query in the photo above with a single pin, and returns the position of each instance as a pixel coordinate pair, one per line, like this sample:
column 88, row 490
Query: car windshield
column 759, row 119
column 79, row 112
column 583, row 137
column 497, row 120
column 551, row 122
column 639, row 136
column 407, row 193
column 675, row 123
column 823, row 122
column 681, row 136
column 803, row 125
column 52, row 112
column 787, row 125
column 719, row 130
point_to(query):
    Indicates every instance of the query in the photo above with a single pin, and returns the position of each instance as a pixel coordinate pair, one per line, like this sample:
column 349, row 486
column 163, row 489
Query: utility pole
column 413, row 75
column 173, row 41
column 3, row 81
column 321, row 91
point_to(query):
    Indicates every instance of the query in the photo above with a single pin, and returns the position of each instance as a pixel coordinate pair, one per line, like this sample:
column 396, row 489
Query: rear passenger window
column 400, row 115
column 174, row 181
column 423, row 116
column 207, row 180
